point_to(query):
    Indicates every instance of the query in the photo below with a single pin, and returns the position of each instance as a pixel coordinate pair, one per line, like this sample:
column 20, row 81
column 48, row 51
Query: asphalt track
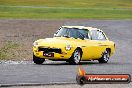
column 120, row 31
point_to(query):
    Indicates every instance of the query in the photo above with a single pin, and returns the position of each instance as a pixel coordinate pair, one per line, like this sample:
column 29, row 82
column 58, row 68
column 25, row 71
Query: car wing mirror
column 54, row 34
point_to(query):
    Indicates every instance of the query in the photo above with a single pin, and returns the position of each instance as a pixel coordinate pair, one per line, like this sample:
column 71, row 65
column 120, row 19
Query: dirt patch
column 23, row 33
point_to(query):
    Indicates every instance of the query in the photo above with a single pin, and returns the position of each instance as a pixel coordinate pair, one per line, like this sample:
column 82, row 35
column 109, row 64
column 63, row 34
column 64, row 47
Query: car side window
column 84, row 32
column 97, row 35
column 80, row 35
column 73, row 33
column 76, row 34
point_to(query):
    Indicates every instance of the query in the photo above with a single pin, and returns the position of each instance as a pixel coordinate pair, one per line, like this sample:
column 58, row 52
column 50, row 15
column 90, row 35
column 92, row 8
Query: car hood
column 56, row 42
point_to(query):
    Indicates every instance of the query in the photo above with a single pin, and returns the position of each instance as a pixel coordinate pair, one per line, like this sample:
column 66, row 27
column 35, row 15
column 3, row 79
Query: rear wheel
column 105, row 57
column 76, row 57
column 38, row 60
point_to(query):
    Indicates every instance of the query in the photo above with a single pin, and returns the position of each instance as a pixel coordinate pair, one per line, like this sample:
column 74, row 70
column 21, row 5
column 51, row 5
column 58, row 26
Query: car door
column 90, row 47
column 79, row 36
column 95, row 44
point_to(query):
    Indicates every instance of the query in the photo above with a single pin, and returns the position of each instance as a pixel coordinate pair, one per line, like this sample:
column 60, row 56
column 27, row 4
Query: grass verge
column 31, row 12
column 66, row 9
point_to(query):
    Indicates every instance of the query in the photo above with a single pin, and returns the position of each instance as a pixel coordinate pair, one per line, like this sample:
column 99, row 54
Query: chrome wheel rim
column 106, row 55
column 77, row 57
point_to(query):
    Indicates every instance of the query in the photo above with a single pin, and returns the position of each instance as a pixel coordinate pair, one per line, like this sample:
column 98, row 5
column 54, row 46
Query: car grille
column 48, row 50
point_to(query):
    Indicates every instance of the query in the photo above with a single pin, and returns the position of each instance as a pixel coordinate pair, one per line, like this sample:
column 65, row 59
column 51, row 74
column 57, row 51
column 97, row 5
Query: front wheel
column 105, row 57
column 38, row 60
column 76, row 57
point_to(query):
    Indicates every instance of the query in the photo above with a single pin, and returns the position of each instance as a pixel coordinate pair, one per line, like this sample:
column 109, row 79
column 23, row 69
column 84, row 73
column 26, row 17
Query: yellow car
column 74, row 44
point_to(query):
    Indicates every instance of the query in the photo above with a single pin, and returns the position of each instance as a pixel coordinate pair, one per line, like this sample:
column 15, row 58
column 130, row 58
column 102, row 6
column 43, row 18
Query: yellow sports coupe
column 74, row 44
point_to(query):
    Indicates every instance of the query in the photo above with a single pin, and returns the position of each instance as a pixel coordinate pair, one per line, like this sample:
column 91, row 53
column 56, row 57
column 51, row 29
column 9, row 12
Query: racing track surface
column 119, row 31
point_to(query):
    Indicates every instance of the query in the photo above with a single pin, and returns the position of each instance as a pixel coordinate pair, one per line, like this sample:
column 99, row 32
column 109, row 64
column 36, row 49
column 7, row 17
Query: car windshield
column 72, row 32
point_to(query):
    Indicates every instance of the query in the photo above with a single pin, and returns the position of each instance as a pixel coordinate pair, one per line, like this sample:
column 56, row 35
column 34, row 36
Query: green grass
column 61, row 9
column 7, row 51
column 70, row 3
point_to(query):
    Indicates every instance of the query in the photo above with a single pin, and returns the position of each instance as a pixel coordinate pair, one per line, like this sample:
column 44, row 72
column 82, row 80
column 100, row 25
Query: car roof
column 81, row 27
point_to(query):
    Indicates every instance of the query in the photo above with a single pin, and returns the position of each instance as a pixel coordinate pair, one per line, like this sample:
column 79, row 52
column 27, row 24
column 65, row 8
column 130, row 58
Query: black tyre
column 38, row 60
column 105, row 57
column 76, row 57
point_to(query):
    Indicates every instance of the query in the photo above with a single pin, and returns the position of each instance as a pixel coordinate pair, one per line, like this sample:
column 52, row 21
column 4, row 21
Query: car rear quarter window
column 97, row 35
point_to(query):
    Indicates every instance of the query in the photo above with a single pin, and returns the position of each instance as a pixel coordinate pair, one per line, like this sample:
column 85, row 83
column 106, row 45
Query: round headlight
column 68, row 47
column 35, row 43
